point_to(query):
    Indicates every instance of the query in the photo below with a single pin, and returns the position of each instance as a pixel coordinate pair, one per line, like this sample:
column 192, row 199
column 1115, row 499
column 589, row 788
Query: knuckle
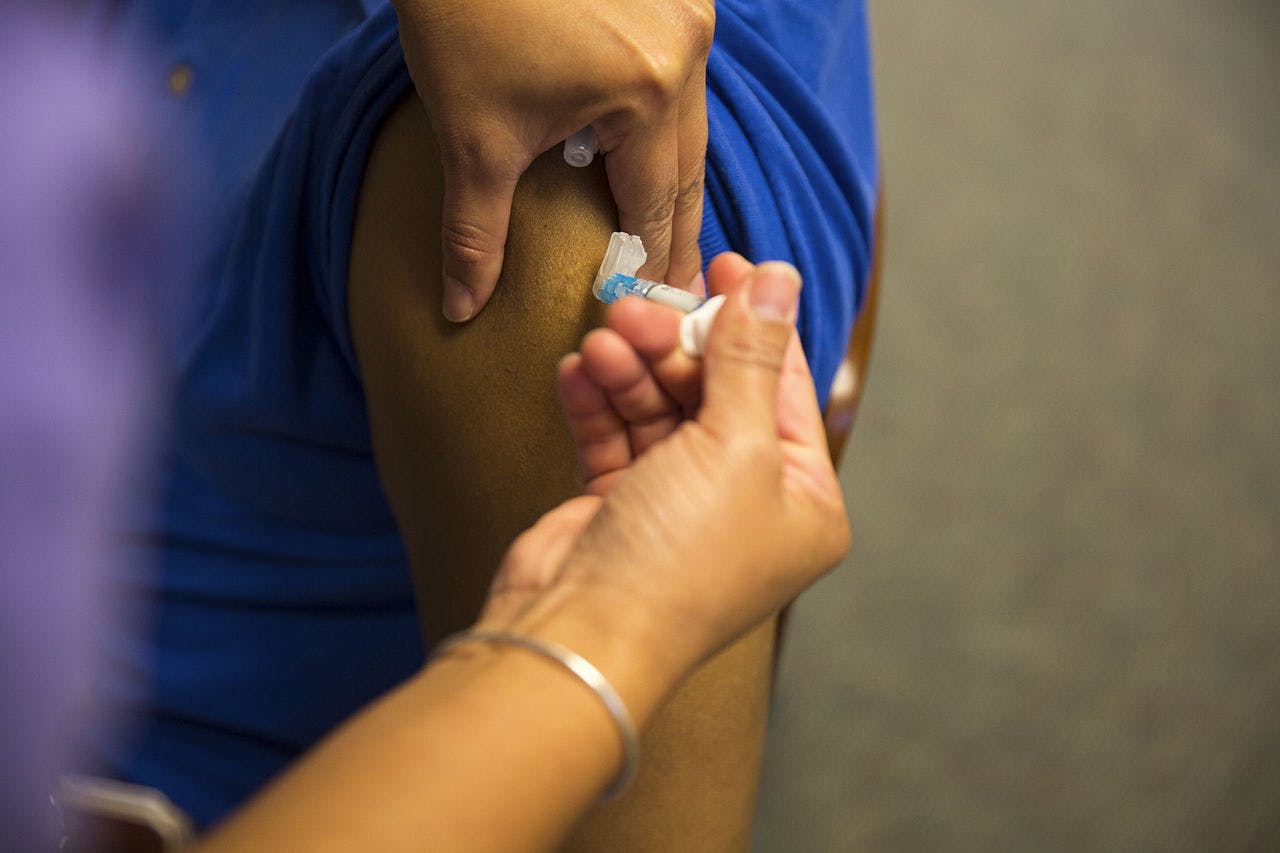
column 524, row 551
column 654, row 215
column 700, row 24
column 661, row 70
column 663, row 206
column 839, row 539
column 660, row 78
column 688, row 199
column 612, row 130
column 753, row 350
column 758, row 455
column 464, row 148
column 467, row 244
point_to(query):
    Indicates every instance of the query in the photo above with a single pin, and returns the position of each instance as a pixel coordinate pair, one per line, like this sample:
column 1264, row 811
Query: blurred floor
column 1060, row 627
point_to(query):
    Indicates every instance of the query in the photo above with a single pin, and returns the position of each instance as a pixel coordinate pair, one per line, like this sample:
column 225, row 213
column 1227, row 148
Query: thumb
column 745, row 353
column 474, row 220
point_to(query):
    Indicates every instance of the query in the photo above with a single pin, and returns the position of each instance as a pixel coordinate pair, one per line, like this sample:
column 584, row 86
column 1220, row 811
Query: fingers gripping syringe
column 617, row 278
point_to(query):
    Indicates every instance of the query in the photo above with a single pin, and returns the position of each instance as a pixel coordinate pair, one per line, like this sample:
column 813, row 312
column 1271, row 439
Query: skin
column 408, row 774
column 472, row 450
column 498, row 98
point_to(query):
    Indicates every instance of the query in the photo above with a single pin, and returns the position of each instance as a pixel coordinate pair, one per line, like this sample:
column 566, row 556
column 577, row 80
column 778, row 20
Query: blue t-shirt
column 284, row 599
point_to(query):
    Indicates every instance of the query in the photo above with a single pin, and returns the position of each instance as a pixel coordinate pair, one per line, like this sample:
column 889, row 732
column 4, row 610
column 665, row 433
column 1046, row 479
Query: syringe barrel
column 681, row 300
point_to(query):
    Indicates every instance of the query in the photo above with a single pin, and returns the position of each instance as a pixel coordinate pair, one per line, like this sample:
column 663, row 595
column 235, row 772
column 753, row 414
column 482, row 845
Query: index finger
column 644, row 177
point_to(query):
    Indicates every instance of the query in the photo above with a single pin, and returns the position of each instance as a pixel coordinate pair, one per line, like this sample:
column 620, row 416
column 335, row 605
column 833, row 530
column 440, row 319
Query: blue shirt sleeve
column 791, row 158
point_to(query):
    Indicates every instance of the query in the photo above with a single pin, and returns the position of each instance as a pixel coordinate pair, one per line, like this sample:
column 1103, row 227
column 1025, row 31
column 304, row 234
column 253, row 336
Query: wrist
column 566, row 635
column 617, row 636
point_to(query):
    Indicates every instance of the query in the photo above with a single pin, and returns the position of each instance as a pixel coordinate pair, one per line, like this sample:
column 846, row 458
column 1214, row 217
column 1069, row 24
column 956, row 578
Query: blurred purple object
column 85, row 218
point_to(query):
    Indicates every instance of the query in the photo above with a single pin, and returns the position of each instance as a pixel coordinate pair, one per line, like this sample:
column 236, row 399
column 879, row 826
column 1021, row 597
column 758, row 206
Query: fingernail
column 459, row 302
column 699, row 285
column 774, row 292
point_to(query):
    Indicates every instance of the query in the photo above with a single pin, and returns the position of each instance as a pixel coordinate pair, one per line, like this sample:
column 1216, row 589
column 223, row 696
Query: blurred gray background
column 1060, row 626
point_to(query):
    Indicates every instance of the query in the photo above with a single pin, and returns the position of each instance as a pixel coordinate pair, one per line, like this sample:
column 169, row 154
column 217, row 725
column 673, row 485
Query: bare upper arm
column 472, row 447
column 469, row 440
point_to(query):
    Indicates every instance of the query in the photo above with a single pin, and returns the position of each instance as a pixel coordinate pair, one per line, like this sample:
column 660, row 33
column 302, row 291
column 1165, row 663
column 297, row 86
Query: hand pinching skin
column 498, row 97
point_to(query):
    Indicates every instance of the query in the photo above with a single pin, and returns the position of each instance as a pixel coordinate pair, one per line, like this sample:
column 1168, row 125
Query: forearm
column 700, row 769
column 489, row 748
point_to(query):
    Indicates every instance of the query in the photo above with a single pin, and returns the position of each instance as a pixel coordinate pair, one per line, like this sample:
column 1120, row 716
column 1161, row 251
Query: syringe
column 617, row 276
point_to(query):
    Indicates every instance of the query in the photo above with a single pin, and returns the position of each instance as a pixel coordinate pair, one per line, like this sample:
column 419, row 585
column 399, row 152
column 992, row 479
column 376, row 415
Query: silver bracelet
column 587, row 674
